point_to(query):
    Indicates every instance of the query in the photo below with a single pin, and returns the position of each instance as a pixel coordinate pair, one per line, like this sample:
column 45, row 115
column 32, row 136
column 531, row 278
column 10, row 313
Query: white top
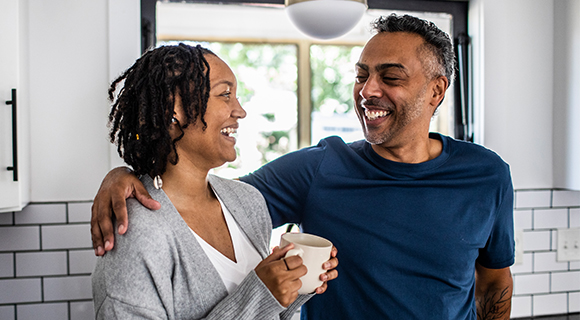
column 247, row 257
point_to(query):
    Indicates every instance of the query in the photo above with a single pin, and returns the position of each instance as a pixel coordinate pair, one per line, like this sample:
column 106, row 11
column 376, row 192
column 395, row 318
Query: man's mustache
column 373, row 102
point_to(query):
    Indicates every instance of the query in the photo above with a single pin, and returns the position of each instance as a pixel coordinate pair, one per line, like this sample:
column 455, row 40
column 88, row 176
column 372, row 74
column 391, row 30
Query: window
column 332, row 70
column 296, row 90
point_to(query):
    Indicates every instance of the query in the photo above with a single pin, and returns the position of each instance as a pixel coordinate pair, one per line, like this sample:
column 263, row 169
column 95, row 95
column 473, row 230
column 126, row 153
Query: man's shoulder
column 473, row 149
column 477, row 158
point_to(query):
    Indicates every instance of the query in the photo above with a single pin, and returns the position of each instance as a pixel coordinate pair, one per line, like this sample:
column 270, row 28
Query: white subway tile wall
column 545, row 304
column 46, row 259
column 20, row 290
column 41, row 214
column 81, row 310
column 532, row 283
column 53, row 263
column 542, row 285
column 19, row 238
column 52, row 311
column 574, row 302
column 6, row 265
column 81, row 261
column 70, row 236
column 79, row 212
column 6, row 218
column 7, row 312
column 533, row 199
column 521, row 306
column 67, row 288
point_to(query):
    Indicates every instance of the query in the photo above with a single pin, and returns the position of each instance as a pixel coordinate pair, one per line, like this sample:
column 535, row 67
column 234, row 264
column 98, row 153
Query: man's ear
column 438, row 88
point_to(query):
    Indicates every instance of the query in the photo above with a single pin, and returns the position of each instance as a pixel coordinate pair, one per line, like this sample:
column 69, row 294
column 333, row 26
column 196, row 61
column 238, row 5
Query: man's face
column 391, row 90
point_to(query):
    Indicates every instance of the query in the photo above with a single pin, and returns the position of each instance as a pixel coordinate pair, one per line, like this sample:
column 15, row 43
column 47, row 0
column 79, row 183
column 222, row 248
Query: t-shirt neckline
column 409, row 170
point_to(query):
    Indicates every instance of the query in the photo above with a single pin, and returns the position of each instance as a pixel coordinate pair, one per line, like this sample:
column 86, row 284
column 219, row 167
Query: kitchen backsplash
column 46, row 259
column 542, row 285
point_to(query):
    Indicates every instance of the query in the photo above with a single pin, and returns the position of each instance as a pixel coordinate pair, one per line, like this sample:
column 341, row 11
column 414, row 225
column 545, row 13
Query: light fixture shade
column 325, row 19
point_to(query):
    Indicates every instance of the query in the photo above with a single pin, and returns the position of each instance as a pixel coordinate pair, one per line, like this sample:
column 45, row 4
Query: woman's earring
column 157, row 182
column 173, row 120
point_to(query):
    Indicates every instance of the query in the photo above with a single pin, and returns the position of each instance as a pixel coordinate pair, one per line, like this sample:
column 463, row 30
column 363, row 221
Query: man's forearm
column 494, row 304
column 493, row 293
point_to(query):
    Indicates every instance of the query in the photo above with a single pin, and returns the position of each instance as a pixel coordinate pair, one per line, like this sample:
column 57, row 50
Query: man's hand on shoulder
column 118, row 185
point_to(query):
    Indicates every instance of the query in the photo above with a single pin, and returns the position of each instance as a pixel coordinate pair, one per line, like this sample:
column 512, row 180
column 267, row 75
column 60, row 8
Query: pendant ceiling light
column 325, row 19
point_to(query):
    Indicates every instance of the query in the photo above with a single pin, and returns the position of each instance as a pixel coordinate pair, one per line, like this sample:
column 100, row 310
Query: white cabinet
column 14, row 172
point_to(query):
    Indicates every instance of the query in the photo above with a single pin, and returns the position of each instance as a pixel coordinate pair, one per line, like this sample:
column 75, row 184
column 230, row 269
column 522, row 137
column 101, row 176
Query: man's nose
column 371, row 89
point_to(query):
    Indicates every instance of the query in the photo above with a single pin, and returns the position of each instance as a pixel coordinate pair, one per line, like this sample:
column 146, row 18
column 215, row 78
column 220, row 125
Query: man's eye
column 361, row 79
column 390, row 79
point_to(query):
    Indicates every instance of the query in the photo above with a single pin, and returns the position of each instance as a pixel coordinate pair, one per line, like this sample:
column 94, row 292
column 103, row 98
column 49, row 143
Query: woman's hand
column 331, row 274
column 118, row 185
column 282, row 275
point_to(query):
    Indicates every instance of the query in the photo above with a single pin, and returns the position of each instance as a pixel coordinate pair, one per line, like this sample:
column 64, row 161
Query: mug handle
column 295, row 252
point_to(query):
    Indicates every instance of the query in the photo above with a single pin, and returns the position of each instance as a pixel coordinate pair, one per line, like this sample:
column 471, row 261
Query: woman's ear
column 174, row 127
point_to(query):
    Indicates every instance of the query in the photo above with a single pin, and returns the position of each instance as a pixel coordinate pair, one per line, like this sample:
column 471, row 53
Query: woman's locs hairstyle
column 143, row 108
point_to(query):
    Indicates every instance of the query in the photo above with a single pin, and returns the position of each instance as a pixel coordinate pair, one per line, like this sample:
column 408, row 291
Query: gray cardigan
column 158, row 270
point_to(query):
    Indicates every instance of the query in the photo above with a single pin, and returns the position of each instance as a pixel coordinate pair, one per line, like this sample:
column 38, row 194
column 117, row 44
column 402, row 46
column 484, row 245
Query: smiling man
column 423, row 223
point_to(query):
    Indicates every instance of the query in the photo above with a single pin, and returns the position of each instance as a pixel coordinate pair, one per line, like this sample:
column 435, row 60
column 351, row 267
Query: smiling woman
column 173, row 121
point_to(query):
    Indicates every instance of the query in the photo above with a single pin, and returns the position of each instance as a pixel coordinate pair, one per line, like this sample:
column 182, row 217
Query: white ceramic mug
column 314, row 251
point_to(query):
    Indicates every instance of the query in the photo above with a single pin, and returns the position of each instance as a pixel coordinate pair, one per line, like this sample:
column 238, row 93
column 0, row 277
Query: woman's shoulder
column 145, row 222
column 240, row 188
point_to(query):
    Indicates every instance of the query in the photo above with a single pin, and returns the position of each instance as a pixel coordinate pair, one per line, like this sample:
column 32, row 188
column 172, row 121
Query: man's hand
column 331, row 274
column 118, row 185
column 493, row 293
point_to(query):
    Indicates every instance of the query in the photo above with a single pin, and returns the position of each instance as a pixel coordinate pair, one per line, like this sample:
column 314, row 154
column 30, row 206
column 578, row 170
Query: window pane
column 332, row 99
column 267, row 76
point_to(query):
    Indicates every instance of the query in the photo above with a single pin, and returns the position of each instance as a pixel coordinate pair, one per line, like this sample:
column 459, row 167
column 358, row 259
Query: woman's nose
column 238, row 111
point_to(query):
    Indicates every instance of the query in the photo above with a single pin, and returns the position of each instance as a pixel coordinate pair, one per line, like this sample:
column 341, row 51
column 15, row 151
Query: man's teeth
column 228, row 131
column 375, row 114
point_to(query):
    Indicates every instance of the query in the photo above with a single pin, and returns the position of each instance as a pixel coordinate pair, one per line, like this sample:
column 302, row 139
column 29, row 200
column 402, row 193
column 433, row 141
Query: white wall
column 74, row 51
column 567, row 94
column 514, row 46
column 527, row 75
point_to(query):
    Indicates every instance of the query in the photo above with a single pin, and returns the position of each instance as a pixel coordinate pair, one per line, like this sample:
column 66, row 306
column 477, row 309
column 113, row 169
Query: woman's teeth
column 375, row 114
column 228, row 131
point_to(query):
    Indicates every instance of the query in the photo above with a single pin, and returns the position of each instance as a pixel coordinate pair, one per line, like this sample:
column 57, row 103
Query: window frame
column 457, row 8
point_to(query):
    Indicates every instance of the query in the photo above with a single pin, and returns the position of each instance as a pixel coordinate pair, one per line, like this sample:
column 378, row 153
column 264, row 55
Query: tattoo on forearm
column 491, row 306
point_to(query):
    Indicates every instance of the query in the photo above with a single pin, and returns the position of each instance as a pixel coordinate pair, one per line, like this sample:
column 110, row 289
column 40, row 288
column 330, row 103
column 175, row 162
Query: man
column 424, row 223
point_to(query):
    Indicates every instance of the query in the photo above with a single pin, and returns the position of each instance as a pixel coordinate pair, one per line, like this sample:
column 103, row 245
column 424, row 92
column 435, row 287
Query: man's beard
column 408, row 113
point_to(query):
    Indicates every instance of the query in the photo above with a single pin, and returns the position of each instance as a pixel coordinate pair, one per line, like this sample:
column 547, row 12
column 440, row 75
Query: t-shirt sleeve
column 285, row 182
column 499, row 251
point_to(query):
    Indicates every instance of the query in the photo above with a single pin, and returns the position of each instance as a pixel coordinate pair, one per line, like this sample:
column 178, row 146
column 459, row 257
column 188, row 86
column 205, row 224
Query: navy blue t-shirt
column 408, row 235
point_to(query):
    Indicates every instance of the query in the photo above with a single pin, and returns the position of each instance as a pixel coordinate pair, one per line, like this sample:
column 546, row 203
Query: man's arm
column 493, row 293
column 118, row 185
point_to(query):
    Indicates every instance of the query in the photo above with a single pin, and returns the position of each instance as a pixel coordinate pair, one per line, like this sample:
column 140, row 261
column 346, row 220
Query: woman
column 205, row 253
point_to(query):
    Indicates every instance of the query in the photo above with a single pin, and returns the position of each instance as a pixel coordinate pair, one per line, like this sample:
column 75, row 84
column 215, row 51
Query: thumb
column 279, row 253
column 143, row 196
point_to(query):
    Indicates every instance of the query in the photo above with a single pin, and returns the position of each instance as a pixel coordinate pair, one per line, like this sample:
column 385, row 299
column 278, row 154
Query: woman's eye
column 227, row 94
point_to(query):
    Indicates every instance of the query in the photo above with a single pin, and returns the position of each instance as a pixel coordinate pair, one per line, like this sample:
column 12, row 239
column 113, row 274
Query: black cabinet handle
column 14, row 167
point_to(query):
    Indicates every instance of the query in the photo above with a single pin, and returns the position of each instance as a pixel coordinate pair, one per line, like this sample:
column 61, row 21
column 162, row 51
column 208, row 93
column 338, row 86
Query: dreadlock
column 144, row 107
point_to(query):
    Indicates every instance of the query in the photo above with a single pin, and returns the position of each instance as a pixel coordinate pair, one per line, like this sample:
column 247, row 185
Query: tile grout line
column 14, row 264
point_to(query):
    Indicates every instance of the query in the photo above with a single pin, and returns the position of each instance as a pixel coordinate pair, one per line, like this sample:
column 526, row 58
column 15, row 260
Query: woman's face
column 213, row 146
